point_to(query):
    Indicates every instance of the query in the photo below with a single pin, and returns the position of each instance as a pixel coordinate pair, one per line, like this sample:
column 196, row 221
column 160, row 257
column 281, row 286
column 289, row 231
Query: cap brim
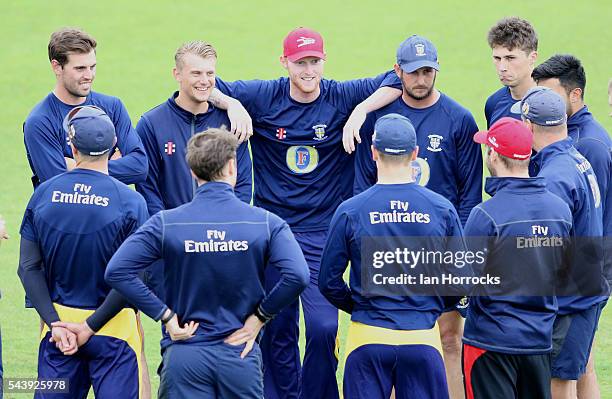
column 413, row 66
column 307, row 53
column 481, row 137
column 516, row 108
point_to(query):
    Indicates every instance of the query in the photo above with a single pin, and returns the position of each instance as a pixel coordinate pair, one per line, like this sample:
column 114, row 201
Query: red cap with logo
column 508, row 137
column 301, row 43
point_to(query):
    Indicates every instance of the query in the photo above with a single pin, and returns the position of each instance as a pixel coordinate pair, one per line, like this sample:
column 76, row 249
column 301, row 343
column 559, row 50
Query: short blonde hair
column 196, row 47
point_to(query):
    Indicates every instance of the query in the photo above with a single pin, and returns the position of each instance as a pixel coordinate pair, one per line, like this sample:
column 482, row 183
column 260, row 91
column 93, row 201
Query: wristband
column 261, row 315
column 164, row 320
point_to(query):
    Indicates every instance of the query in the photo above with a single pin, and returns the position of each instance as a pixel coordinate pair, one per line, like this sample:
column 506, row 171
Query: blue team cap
column 394, row 135
column 541, row 106
column 417, row 52
column 90, row 130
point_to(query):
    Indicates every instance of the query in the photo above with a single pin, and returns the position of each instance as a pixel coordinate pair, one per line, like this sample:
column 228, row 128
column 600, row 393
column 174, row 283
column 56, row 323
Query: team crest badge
column 420, row 49
column 169, row 148
column 319, row 131
column 525, row 109
column 434, row 143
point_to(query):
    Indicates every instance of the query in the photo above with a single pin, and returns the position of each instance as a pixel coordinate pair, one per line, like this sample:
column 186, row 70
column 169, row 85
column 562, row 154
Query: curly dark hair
column 513, row 32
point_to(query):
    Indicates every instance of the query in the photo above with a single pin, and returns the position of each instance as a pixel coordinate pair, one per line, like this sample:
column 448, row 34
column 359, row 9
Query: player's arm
column 243, row 100
column 364, row 96
column 334, row 261
column 244, row 180
column 45, row 148
column 34, row 282
column 137, row 253
column 149, row 188
column 132, row 166
column 365, row 167
column 285, row 255
column 114, row 301
column 469, row 168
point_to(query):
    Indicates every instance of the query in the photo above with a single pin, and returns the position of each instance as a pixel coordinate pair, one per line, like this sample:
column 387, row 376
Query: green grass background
column 137, row 40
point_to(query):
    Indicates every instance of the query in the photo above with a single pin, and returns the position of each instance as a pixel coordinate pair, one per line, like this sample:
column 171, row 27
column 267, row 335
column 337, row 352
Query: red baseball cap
column 508, row 137
column 301, row 43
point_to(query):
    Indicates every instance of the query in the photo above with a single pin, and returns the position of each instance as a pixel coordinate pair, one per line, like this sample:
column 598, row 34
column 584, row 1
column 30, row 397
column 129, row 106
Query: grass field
column 136, row 44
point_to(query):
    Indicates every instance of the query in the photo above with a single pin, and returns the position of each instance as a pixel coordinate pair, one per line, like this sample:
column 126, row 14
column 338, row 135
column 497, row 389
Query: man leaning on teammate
column 569, row 175
column 514, row 43
column 508, row 339
column 166, row 129
column 73, row 224
column 72, row 54
column 214, row 264
column 302, row 174
column 393, row 340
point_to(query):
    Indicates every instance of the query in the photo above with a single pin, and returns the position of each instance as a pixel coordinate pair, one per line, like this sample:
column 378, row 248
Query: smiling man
column 514, row 43
column 166, row 129
column 302, row 174
column 72, row 54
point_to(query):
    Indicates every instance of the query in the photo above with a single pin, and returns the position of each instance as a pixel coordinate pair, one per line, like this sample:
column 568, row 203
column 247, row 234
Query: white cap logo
column 420, row 49
column 305, row 41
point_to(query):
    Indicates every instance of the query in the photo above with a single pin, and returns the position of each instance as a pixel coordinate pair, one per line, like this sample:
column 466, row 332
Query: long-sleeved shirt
column 47, row 143
column 301, row 171
column 78, row 219
column 214, row 263
column 520, row 207
column 449, row 161
column 165, row 131
column 570, row 176
column 419, row 212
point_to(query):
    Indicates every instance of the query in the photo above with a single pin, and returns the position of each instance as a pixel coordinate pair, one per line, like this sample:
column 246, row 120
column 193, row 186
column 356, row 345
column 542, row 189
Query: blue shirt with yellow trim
column 353, row 223
column 301, row 171
column 79, row 219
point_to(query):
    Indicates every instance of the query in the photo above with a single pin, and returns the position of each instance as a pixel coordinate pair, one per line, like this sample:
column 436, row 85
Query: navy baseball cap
column 541, row 106
column 394, row 135
column 90, row 130
column 417, row 52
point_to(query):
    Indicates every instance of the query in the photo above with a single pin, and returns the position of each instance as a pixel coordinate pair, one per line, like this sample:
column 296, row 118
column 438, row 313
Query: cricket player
column 508, row 339
column 3, row 236
column 393, row 341
column 165, row 130
column 215, row 250
column 72, row 54
column 569, row 175
column 301, row 173
column 73, row 224
column 565, row 75
column 449, row 162
column 514, row 43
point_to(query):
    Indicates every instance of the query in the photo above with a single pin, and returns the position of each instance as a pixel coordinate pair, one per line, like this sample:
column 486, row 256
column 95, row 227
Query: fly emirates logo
column 215, row 243
column 82, row 195
column 399, row 214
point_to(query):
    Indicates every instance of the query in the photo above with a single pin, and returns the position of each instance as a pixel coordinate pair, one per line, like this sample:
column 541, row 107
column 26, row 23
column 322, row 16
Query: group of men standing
column 188, row 250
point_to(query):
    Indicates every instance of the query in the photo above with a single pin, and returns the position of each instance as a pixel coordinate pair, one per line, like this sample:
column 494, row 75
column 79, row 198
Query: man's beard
column 419, row 98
